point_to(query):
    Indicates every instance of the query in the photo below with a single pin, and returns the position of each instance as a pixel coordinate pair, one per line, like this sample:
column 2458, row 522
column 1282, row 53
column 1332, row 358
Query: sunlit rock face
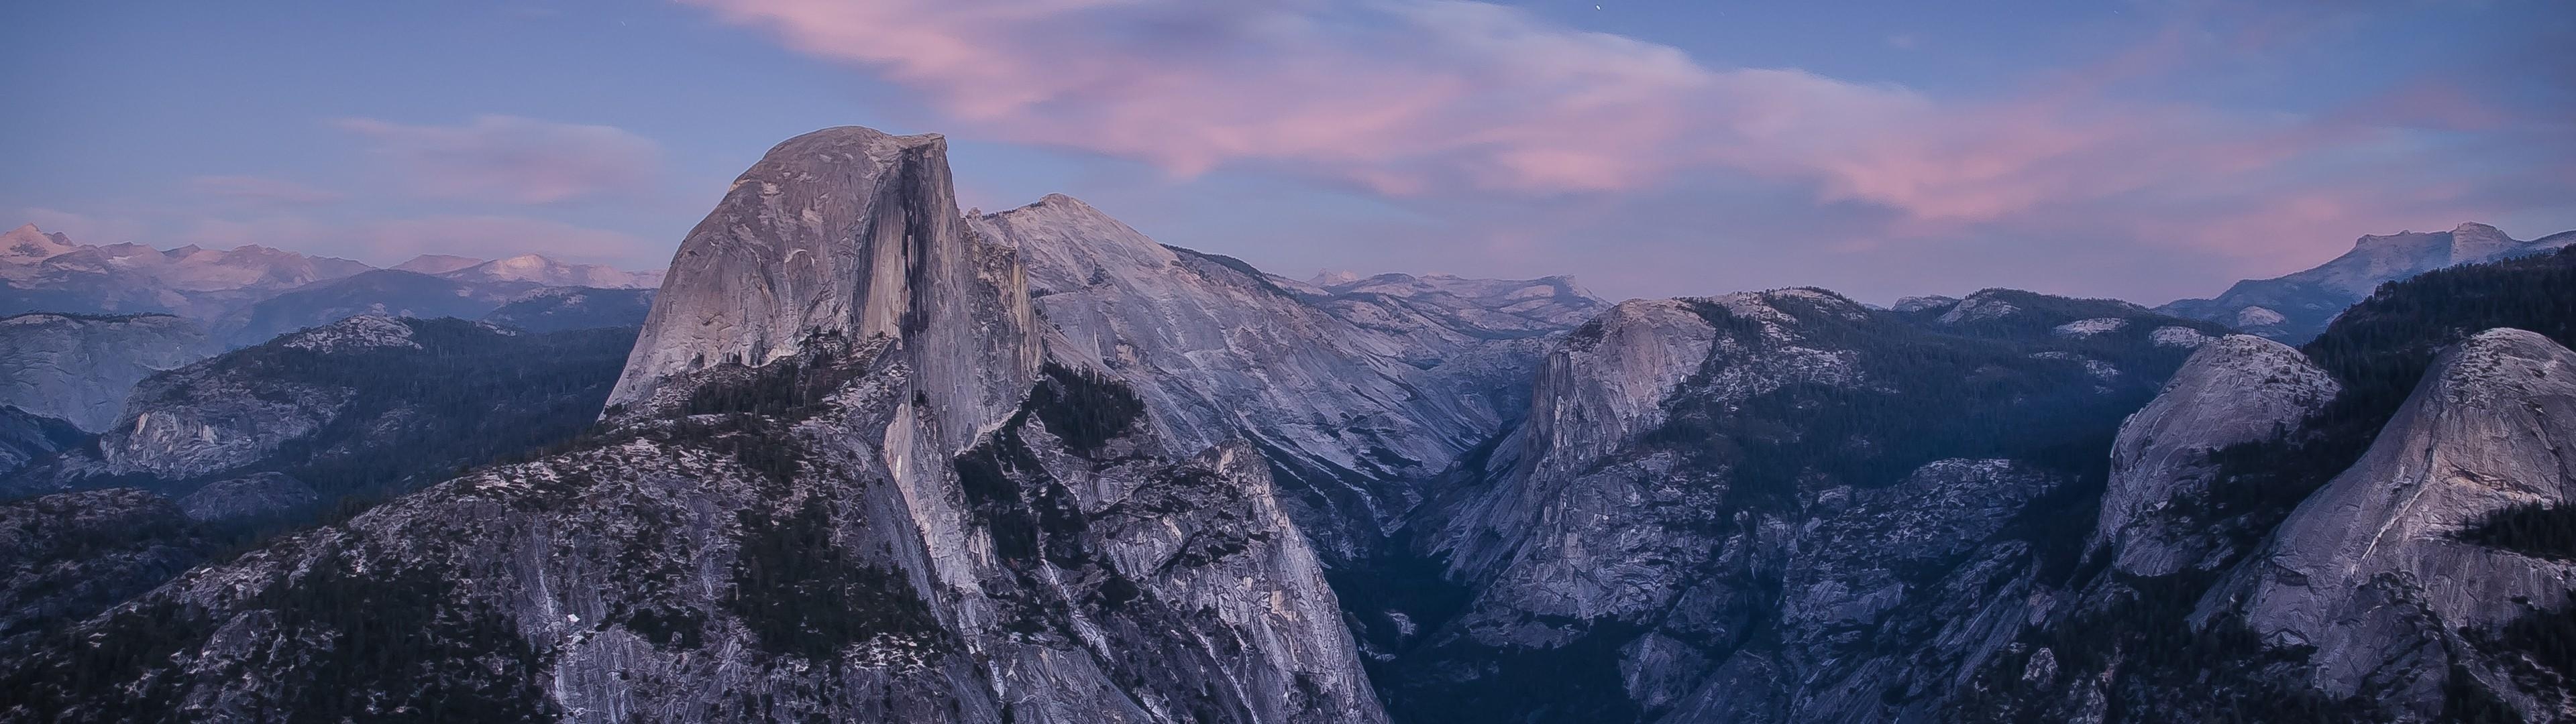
column 849, row 232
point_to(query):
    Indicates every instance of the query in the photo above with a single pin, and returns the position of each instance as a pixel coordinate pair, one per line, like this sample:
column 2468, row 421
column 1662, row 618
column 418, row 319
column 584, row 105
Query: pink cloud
column 1419, row 96
column 1455, row 100
column 513, row 160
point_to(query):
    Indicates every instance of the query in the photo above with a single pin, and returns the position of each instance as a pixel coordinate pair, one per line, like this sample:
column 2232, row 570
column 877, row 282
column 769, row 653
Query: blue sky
column 2145, row 150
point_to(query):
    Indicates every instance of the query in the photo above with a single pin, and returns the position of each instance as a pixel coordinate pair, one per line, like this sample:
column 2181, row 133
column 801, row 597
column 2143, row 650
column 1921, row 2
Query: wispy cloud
column 1458, row 98
column 508, row 159
column 262, row 190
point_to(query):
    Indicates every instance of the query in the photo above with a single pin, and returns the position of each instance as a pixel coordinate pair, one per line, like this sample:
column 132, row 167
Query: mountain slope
column 26, row 437
column 1781, row 506
column 562, row 308
column 2425, row 454
column 47, row 272
column 2296, row 307
column 352, row 408
column 2379, row 577
column 1349, row 395
column 846, row 478
column 80, row 368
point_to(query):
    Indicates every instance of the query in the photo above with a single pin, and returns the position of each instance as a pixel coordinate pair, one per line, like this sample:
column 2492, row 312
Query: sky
column 2141, row 149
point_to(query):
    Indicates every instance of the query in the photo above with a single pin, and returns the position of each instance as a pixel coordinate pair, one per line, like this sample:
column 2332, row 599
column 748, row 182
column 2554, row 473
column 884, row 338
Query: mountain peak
column 845, row 232
column 28, row 244
column 1333, row 277
column 434, row 264
column 2478, row 242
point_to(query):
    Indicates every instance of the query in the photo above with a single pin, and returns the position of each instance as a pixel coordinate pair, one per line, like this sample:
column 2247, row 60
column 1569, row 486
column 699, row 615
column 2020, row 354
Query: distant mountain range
column 2295, row 308
column 47, row 272
column 80, row 325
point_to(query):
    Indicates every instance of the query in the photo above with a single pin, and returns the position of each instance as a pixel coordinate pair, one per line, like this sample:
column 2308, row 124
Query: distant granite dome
column 2296, row 307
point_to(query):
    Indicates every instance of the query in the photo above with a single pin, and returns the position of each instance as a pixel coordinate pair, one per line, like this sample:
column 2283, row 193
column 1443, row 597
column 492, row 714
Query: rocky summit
column 867, row 456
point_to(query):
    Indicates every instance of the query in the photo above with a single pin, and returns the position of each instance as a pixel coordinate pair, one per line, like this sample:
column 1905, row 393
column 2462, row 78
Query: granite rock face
column 2374, row 576
column 81, row 368
column 209, row 417
column 1351, row 392
column 905, row 505
column 848, row 232
column 2240, row 389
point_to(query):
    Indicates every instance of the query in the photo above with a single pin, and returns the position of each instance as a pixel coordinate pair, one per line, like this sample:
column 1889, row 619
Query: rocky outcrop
column 2296, row 307
column 1351, row 392
column 903, row 506
column 222, row 414
column 846, row 232
column 2240, row 389
column 2381, row 578
column 1596, row 393
column 81, row 368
